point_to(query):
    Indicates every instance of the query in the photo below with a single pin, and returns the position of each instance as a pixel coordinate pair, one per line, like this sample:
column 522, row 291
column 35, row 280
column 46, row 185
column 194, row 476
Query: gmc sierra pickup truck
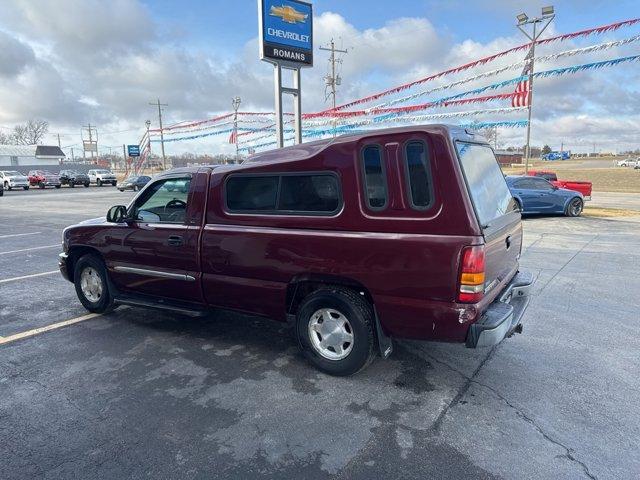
column 402, row 233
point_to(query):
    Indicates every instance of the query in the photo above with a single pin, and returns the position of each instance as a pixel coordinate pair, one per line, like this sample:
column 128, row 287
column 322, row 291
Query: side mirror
column 117, row 214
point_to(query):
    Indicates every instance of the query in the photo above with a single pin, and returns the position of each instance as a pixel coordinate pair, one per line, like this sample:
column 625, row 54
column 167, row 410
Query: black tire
column 41, row 185
column 99, row 182
column 58, row 186
column 72, row 184
column 574, row 207
column 7, row 186
column 26, row 188
column 86, row 185
column 361, row 320
column 135, row 188
column 105, row 302
column 114, row 183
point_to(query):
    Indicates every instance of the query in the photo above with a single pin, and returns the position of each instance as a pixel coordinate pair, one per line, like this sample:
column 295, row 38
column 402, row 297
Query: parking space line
column 15, row 279
column 29, row 249
column 48, row 328
column 19, row 234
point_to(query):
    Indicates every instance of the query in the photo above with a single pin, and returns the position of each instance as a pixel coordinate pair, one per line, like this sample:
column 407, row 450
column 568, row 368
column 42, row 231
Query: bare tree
column 30, row 133
column 5, row 139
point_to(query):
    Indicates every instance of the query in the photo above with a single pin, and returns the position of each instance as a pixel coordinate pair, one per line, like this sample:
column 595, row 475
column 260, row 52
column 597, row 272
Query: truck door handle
column 175, row 240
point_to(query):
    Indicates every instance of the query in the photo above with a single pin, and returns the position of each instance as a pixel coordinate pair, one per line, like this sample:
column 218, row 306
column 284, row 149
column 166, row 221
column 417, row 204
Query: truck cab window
column 164, row 202
column 375, row 183
column 418, row 174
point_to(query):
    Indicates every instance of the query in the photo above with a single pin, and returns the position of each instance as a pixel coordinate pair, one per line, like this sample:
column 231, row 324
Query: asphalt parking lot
column 143, row 394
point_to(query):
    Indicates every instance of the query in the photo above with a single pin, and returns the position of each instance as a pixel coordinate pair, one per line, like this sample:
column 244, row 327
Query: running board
column 176, row 306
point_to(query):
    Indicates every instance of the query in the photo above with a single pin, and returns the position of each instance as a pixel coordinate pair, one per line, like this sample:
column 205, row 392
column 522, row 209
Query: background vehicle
column 101, row 176
column 1, row 190
column 537, row 195
column 135, row 183
column 628, row 162
column 579, row 186
column 408, row 232
column 557, row 156
column 73, row 178
column 43, row 179
column 11, row 179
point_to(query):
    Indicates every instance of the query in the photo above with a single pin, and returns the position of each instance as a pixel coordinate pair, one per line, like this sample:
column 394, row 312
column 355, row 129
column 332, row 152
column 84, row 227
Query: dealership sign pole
column 286, row 41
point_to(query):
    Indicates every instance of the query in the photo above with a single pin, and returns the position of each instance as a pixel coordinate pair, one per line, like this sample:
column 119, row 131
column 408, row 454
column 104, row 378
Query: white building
column 30, row 155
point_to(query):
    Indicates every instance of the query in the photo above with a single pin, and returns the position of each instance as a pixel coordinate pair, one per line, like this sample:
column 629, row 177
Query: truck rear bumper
column 502, row 317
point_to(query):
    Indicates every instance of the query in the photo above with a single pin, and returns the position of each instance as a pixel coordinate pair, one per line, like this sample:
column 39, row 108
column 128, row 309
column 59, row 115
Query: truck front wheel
column 335, row 330
column 92, row 288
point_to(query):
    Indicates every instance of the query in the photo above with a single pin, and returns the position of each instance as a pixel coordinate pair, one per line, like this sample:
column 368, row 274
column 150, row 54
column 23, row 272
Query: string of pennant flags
column 249, row 129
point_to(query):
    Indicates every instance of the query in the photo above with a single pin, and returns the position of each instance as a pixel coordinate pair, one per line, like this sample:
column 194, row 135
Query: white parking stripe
column 20, row 234
column 32, row 248
column 48, row 328
column 15, row 279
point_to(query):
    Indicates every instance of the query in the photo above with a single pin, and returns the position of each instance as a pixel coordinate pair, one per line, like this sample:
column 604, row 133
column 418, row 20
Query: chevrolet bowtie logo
column 288, row 14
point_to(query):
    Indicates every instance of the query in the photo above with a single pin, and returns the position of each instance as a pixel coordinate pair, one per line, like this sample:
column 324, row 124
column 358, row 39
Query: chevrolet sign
column 286, row 32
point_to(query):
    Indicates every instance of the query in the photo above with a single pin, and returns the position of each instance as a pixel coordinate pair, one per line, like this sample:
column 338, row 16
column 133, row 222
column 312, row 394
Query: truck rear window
column 487, row 187
column 284, row 194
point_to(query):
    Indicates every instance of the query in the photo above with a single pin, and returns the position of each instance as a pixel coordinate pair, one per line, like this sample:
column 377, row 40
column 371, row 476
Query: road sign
column 90, row 146
column 133, row 150
column 286, row 32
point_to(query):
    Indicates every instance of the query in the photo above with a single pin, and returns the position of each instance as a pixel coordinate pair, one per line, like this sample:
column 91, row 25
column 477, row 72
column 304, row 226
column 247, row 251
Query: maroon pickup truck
column 400, row 233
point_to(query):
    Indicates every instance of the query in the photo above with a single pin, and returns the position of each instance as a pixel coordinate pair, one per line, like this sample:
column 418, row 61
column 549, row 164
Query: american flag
column 521, row 97
column 233, row 138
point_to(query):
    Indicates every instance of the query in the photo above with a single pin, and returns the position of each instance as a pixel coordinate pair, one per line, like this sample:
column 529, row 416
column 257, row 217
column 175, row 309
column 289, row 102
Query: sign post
column 286, row 41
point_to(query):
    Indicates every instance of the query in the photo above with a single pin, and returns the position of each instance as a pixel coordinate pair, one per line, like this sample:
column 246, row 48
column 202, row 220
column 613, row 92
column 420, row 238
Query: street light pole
column 160, row 105
column 235, row 103
column 547, row 16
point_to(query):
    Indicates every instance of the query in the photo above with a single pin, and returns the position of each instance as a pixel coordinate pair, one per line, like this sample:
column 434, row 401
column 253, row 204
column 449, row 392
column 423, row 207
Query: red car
column 401, row 233
column 42, row 179
column 577, row 186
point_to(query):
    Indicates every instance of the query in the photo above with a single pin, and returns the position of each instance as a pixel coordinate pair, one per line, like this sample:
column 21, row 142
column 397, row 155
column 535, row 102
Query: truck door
column 157, row 253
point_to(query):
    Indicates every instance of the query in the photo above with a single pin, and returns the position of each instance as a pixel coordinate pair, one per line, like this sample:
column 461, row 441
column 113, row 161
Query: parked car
column 101, row 176
column 134, row 182
column 42, row 179
column 579, row 186
column 401, row 233
column 73, row 178
column 1, row 190
column 537, row 195
column 628, row 162
column 11, row 179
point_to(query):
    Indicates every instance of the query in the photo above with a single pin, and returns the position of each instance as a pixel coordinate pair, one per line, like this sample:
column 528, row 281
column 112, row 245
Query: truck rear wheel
column 92, row 287
column 335, row 331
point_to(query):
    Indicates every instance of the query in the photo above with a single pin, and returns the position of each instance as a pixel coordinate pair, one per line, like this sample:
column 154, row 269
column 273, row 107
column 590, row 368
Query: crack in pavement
column 569, row 452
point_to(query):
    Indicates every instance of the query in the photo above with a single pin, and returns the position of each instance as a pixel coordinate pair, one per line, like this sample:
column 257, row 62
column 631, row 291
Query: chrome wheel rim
column 91, row 284
column 576, row 207
column 331, row 334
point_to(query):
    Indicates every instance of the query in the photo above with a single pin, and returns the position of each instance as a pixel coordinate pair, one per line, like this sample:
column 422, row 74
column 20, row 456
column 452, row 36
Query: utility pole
column 235, row 103
column 59, row 146
column 332, row 80
column 548, row 14
column 160, row 105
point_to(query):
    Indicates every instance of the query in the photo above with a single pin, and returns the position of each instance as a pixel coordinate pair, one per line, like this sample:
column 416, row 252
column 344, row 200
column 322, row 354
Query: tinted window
column 164, row 202
column 540, row 184
column 526, row 184
column 375, row 183
column 309, row 193
column 418, row 175
column 252, row 193
column 486, row 184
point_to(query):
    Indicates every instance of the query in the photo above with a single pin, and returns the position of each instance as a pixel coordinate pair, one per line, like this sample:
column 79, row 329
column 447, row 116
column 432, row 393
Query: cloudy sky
column 71, row 62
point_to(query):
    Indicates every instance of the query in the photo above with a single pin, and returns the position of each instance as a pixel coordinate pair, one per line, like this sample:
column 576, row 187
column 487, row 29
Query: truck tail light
column 471, row 274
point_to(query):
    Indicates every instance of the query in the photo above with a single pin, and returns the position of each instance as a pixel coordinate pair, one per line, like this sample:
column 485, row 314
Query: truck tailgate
column 503, row 242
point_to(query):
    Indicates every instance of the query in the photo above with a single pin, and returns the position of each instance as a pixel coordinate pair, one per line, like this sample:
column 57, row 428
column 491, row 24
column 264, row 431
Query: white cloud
column 74, row 61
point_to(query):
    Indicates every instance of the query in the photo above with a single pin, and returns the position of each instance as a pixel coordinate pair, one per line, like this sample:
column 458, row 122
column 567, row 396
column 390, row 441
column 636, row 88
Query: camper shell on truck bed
column 399, row 233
